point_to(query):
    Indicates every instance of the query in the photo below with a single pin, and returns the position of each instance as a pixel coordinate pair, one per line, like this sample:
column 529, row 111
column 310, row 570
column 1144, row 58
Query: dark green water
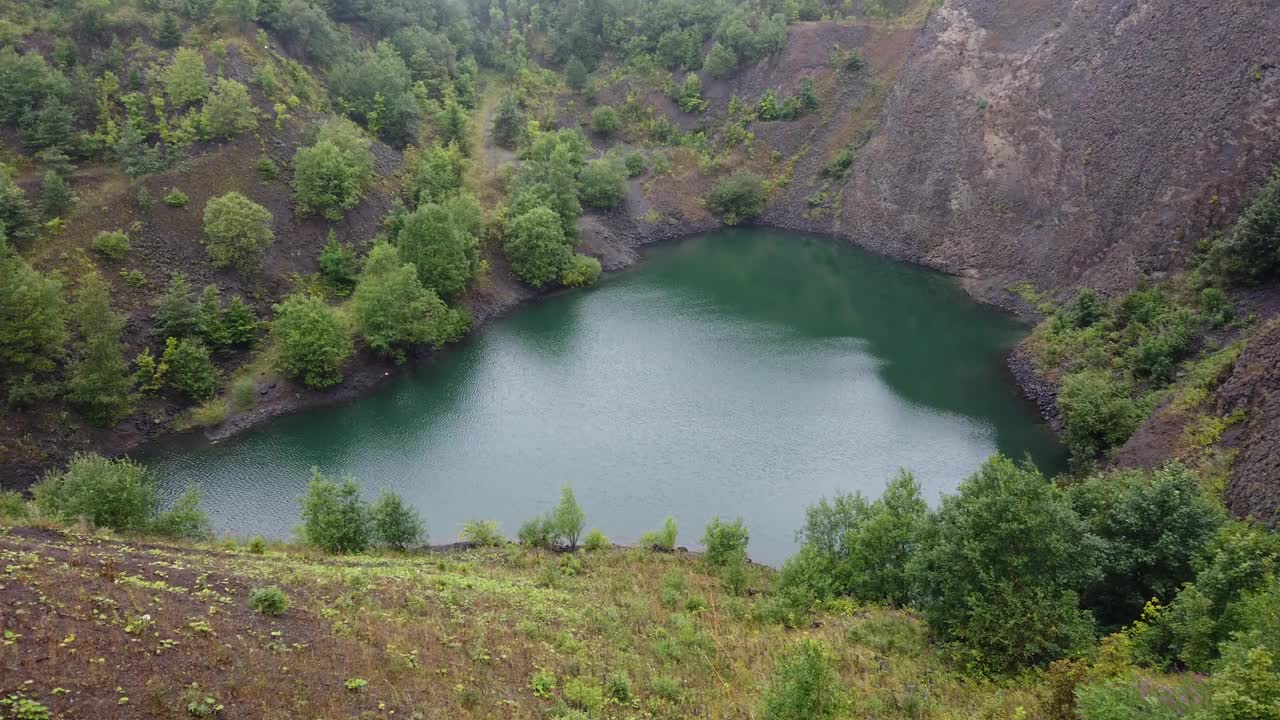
column 747, row 372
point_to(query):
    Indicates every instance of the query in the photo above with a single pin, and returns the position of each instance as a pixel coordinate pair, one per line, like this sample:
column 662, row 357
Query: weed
column 542, row 683
column 355, row 684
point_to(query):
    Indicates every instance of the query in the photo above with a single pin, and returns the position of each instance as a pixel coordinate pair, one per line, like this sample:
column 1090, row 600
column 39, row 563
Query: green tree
column 739, row 198
column 678, row 48
column 1246, row 686
column 373, row 87
column 603, row 183
column 240, row 322
column 237, row 232
column 1001, row 568
column 326, row 180
column 99, row 381
column 548, row 177
column 393, row 311
column 176, row 313
column 537, row 248
column 169, row 35
column 724, row 540
column 17, row 218
column 395, row 523
column 575, row 74
column 582, row 270
column 334, row 517
column 117, row 494
column 229, row 111
column 1250, row 254
column 50, row 126
column 509, row 122
column 33, row 310
column 1151, row 525
column 604, row 120
column 55, row 197
column 442, row 253
column 438, row 174
column 185, row 80
column 720, row 61
column 805, row 686
column 210, row 321
column 452, row 124
column 1098, row 412
column 191, row 371
column 338, row 265
column 312, row 340
column 569, row 518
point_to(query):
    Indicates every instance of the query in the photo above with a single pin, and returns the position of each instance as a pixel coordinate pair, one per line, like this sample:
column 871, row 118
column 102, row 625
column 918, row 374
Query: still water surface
column 742, row 373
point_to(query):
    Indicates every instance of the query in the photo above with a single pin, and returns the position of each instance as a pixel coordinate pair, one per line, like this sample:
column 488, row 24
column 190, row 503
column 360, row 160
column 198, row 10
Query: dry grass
column 458, row 635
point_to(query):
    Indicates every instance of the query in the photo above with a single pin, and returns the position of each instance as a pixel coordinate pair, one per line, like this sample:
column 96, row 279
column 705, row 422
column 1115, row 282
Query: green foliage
column 575, row 74
column 175, row 198
column 13, row 506
column 374, row 87
column 724, row 540
column 266, row 169
column 33, row 309
column 1136, row 697
column 509, row 122
column 112, row 245
column 805, row 686
column 482, row 533
column 334, row 517
column 26, row 81
column 444, row 254
column 604, row 120
column 1098, row 412
column 983, row 583
column 393, row 311
column 185, row 80
column 330, row 176
column 1250, row 254
column 537, row 247
column 228, row 111
column 191, row 371
column 117, row 494
column 55, row 197
column 1246, row 686
column 17, row 219
column 176, row 313
column 750, row 34
column 438, row 174
column 603, row 183
column 548, row 177
column 269, row 600
column 664, row 539
column 1151, row 524
column 739, row 198
column 184, row 520
column 720, row 61
column 570, row 520
column 583, row 270
column 452, row 124
column 595, row 540
column 237, row 232
column 169, row 35
column 635, row 165
column 539, row 532
column 1085, row 309
column 395, row 523
column 99, row 382
column 312, row 339
column 688, row 94
column 338, row 265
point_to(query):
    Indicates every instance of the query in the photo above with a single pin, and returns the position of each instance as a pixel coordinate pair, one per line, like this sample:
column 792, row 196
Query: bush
column 570, row 520
column 12, row 505
column 582, row 270
column 438, row 175
column 185, row 80
column 1245, row 685
column 334, row 517
column 266, row 169
column 1008, row 602
column 55, row 196
column 664, row 539
column 33, row 316
column 269, row 601
column 191, row 371
column 537, row 248
column 112, row 245
column 720, row 61
column 117, row 494
column 805, row 686
column 595, row 540
column 257, row 545
column 617, row 687
column 237, row 232
column 724, row 541
column 635, row 165
column 1250, row 254
column 575, row 74
column 338, row 265
column 539, row 532
column 330, row 176
column 443, row 253
column 1151, row 524
column 396, row 524
column 603, row 183
column 393, row 311
column 229, row 111
column 604, row 120
column 482, row 533
column 312, row 339
column 98, row 382
column 244, row 393
column 509, row 123
column 739, row 198
column 733, row 573
column 1098, row 412
column 175, row 198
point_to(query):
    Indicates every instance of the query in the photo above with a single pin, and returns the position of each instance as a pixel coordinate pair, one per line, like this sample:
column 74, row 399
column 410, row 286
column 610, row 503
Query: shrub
column 537, row 248
column 1139, row 697
column 805, row 686
column 539, row 532
column 738, row 198
column 269, row 600
column 482, row 533
column 667, row 688
column 237, row 232
column 396, row 524
column 575, row 74
column 393, row 311
column 12, row 505
column 570, row 520
column 720, row 61
column 1250, row 254
column 1098, row 412
column 724, row 540
column 330, row 176
column 438, row 174
column 1151, row 524
column 191, row 371
column 334, row 517
column 840, row 164
column 33, row 316
column 604, row 120
column 595, row 540
column 55, row 196
column 583, row 270
column 617, row 687
column 244, row 393
column 445, row 256
column 99, row 382
column 257, row 545
column 17, row 217
column 603, row 183
column 313, row 340
column 185, row 80
column 635, row 165
column 175, row 198
column 1245, row 685
column 664, row 539
column 542, row 683
column 583, row 694
column 338, row 265
column 509, row 123
column 1008, row 602
column 229, row 111
column 112, row 245
column 266, row 169
column 117, row 494
column 733, row 573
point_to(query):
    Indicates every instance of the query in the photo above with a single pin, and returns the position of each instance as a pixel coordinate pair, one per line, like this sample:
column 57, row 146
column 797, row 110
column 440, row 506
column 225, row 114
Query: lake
column 747, row 372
